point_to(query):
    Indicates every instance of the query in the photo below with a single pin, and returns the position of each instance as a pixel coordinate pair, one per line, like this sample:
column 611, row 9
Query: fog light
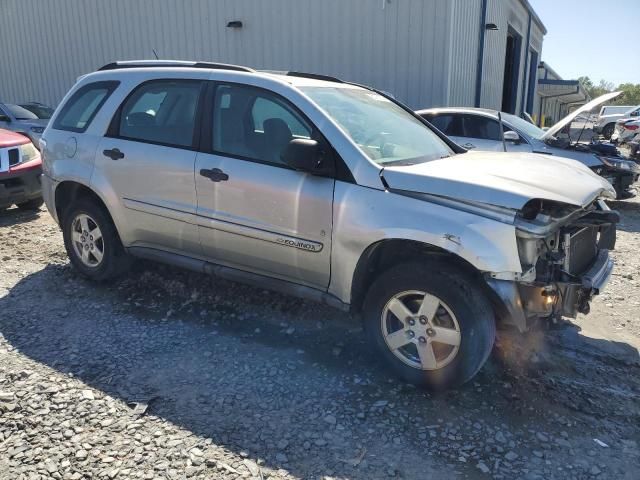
column 549, row 297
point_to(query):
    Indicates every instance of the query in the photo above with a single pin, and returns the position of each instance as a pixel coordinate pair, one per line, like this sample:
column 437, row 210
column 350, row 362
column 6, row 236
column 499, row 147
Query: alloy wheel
column 421, row 330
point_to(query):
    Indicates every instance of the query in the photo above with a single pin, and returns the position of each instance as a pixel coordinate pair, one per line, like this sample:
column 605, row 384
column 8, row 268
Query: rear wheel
column 33, row 204
column 92, row 242
column 430, row 322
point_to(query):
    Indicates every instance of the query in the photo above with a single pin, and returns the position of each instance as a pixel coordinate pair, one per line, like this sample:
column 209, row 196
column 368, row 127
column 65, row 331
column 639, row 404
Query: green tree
column 596, row 90
column 631, row 94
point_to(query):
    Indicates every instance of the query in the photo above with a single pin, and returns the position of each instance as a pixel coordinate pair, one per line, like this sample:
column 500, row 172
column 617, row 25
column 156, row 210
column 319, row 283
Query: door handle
column 214, row 174
column 113, row 154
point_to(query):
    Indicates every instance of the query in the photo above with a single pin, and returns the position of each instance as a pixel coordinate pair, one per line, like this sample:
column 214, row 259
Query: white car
column 626, row 130
column 606, row 122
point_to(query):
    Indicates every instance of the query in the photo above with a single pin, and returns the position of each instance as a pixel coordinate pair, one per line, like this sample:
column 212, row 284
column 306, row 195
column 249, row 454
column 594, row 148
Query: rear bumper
column 20, row 187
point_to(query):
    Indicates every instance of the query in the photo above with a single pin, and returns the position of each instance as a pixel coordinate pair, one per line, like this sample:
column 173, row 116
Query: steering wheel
column 381, row 137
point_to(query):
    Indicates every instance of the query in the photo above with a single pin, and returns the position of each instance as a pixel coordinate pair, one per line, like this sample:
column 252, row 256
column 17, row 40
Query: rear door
column 256, row 213
column 148, row 157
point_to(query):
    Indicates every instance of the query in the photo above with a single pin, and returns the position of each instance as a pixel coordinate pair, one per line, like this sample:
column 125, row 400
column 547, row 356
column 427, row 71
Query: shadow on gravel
column 283, row 380
column 631, row 215
column 14, row 216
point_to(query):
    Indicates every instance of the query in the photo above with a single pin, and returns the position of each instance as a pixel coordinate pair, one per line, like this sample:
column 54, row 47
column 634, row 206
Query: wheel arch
column 383, row 254
column 69, row 191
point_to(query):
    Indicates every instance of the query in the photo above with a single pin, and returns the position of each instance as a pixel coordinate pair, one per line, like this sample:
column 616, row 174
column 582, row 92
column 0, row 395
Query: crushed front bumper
column 523, row 303
column 20, row 187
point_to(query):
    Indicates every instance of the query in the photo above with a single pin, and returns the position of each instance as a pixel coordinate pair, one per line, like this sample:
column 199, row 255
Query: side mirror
column 511, row 136
column 306, row 156
column 4, row 118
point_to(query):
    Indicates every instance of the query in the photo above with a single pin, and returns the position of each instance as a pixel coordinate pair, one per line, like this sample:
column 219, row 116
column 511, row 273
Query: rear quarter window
column 79, row 111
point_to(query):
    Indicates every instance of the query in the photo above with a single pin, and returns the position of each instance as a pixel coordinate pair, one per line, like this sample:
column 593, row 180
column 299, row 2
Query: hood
column 11, row 139
column 503, row 179
column 585, row 108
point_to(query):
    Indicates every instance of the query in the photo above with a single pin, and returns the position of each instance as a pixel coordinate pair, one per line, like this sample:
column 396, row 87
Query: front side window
column 384, row 131
column 523, row 126
column 162, row 112
column 82, row 107
column 476, row 126
column 255, row 124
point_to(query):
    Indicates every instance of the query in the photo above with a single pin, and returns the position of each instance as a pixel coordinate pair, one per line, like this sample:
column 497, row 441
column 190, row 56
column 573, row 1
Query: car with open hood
column 479, row 129
column 329, row 191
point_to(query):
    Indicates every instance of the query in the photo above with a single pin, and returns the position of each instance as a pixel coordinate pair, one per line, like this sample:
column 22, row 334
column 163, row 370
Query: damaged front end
column 564, row 254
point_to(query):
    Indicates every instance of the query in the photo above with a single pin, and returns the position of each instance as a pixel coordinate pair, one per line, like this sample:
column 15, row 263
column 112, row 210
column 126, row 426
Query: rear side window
column 161, row 112
column 82, row 107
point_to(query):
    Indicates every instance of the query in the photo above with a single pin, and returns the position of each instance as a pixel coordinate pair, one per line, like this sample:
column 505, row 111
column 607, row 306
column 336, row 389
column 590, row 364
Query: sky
column 596, row 38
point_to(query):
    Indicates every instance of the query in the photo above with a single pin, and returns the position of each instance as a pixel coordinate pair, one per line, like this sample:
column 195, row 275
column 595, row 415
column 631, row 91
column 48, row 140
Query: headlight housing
column 620, row 164
column 28, row 152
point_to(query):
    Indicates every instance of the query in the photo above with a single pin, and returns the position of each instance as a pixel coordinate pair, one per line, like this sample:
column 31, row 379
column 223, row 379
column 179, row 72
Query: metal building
column 425, row 52
column 556, row 96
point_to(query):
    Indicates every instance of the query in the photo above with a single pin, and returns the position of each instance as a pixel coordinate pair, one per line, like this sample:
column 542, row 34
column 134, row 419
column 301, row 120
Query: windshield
column 385, row 132
column 20, row 113
column 523, row 126
column 41, row 111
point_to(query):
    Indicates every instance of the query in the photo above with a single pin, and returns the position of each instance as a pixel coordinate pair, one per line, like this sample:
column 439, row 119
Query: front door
column 256, row 213
column 148, row 158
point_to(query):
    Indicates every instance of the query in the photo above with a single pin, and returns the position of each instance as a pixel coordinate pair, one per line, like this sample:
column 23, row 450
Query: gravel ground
column 169, row 374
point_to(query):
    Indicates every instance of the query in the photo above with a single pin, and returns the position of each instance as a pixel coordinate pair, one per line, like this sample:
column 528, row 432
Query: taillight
column 631, row 127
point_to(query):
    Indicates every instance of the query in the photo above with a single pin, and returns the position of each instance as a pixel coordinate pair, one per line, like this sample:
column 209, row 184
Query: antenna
column 154, row 52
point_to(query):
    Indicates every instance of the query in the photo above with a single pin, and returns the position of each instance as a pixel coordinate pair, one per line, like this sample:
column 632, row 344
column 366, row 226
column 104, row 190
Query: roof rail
column 173, row 63
column 315, row 76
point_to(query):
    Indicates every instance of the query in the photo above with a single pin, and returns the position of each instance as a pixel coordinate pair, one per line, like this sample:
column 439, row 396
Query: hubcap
column 87, row 241
column 421, row 330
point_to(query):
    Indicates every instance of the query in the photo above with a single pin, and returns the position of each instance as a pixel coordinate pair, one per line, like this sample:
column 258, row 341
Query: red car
column 20, row 170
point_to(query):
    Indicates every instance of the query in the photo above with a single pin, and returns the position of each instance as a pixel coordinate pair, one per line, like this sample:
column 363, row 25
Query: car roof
column 296, row 79
column 440, row 110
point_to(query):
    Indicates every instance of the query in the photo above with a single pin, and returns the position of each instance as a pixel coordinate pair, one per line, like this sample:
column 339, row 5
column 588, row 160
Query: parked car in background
column 21, row 120
column 330, row 191
column 40, row 110
column 475, row 128
column 20, row 170
column 626, row 130
column 606, row 122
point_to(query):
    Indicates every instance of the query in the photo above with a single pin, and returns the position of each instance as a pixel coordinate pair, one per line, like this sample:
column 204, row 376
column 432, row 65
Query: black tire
column 607, row 131
column 460, row 293
column 115, row 260
column 31, row 205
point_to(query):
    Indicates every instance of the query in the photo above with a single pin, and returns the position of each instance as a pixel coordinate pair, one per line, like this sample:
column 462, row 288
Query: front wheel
column 431, row 323
column 92, row 242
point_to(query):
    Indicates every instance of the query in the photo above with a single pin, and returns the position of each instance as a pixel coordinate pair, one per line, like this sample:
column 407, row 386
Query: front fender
column 364, row 216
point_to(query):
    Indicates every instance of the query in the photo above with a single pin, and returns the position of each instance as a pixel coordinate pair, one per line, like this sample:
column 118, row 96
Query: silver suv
column 329, row 191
